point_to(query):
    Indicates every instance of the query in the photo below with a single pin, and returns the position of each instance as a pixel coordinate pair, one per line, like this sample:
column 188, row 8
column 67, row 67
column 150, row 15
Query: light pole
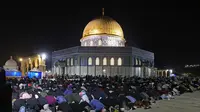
column 42, row 66
column 44, row 56
column 20, row 60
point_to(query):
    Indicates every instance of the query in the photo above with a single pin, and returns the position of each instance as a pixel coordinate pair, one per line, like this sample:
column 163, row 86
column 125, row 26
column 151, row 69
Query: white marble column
column 57, row 70
column 65, row 70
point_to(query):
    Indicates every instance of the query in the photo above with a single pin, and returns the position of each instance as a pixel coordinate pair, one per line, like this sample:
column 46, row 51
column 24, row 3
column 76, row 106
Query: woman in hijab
column 69, row 90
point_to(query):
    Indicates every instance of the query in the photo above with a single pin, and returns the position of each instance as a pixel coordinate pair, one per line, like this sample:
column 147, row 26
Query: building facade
column 32, row 63
column 164, row 72
column 103, row 52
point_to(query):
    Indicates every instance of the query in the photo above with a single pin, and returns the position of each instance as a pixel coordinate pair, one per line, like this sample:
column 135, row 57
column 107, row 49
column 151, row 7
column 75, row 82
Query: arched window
column 97, row 61
column 136, row 61
column 72, row 62
column 104, row 61
column 112, row 61
column 91, row 43
column 89, row 61
column 68, row 62
column 139, row 62
column 119, row 61
column 100, row 42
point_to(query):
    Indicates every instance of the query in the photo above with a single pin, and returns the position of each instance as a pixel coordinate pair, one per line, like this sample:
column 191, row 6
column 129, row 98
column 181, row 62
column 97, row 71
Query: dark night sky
column 171, row 33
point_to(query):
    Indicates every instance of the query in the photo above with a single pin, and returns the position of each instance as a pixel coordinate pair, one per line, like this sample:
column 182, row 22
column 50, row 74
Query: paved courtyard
column 188, row 102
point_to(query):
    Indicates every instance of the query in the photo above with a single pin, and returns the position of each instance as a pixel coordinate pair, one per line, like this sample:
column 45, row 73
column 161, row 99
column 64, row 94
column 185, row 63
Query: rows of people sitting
column 96, row 93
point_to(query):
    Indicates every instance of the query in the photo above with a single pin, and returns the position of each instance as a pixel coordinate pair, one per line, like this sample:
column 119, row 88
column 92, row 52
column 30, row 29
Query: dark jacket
column 64, row 107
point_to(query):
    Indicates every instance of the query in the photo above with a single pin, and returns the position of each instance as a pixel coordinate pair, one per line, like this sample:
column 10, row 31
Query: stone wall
column 135, row 62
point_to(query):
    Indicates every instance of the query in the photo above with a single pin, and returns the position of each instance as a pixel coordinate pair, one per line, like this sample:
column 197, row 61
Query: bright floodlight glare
column 20, row 59
column 44, row 56
column 171, row 71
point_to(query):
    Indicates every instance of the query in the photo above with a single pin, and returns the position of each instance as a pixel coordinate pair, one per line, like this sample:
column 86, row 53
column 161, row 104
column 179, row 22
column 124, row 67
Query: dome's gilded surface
column 103, row 25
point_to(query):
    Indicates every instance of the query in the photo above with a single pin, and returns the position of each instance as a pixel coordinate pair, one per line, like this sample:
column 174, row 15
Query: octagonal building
column 103, row 52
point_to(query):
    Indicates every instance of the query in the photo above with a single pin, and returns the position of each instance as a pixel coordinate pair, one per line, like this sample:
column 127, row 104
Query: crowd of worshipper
column 95, row 93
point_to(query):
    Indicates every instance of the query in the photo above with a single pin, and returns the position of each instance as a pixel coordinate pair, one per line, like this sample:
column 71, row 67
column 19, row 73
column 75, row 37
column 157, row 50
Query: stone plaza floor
column 188, row 102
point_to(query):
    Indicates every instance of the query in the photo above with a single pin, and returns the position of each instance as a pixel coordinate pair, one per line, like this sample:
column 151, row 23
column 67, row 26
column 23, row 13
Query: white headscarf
column 25, row 95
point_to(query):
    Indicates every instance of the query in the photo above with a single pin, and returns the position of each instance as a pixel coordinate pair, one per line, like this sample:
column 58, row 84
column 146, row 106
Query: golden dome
column 103, row 25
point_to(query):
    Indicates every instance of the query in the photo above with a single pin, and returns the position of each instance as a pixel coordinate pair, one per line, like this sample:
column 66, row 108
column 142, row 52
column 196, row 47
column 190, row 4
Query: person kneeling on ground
column 97, row 105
